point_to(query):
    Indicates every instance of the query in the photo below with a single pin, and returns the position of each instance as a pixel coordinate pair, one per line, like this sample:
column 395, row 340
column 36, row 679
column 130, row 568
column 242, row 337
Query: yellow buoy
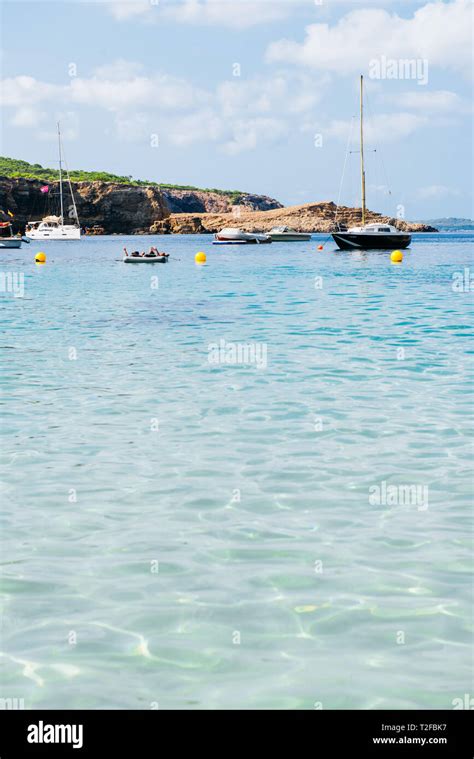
column 40, row 257
column 200, row 257
column 396, row 257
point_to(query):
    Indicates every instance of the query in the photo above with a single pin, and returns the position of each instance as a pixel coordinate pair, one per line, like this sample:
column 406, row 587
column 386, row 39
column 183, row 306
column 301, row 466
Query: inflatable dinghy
column 145, row 259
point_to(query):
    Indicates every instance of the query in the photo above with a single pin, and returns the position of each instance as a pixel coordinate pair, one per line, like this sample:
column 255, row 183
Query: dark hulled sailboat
column 377, row 236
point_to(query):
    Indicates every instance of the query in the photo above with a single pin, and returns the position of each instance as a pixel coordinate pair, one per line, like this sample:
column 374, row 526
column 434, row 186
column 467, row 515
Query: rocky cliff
column 116, row 207
column 310, row 217
column 112, row 206
column 198, row 201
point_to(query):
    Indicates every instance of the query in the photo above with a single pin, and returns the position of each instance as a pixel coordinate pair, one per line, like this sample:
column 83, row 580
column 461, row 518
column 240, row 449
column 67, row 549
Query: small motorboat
column 7, row 240
column 232, row 235
column 10, row 242
column 372, row 237
column 286, row 234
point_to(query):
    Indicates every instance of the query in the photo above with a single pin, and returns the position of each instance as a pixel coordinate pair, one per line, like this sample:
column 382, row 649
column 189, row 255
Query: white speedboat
column 53, row 227
column 234, row 235
column 377, row 236
column 282, row 234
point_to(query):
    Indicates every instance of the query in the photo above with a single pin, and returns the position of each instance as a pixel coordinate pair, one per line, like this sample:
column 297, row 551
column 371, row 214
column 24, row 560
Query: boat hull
column 361, row 241
column 230, row 242
column 10, row 243
column 289, row 237
column 249, row 241
column 62, row 233
column 145, row 259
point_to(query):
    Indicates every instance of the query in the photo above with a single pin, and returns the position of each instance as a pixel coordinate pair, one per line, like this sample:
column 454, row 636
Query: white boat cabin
column 384, row 229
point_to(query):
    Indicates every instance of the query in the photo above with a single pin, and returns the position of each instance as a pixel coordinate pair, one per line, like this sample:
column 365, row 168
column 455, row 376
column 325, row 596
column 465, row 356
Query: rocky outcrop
column 190, row 201
column 110, row 206
column 198, row 201
column 115, row 207
column 257, row 202
column 311, row 217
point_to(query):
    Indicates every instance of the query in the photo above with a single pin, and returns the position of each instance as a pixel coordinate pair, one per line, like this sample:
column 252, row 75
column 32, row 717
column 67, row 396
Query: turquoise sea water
column 188, row 534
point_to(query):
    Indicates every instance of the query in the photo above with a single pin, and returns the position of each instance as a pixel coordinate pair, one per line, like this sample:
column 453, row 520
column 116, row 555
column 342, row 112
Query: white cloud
column 439, row 32
column 234, row 135
column 70, row 128
column 437, row 191
column 111, row 94
column 383, row 189
column 162, row 90
column 382, row 128
column 118, row 70
column 438, row 101
column 125, row 10
column 202, row 126
column 26, row 116
column 132, row 128
column 239, row 114
column 282, row 92
column 115, row 87
column 235, row 14
column 26, row 90
column 238, row 14
column 250, row 133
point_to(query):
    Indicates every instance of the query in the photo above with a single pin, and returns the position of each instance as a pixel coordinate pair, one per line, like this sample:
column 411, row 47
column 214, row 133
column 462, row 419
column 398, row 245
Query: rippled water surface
column 200, row 535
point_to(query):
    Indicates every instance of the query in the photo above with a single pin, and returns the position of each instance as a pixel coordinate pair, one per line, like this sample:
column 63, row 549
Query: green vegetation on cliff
column 15, row 168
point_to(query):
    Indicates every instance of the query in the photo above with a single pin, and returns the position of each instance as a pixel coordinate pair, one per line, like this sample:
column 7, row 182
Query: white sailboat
column 53, row 227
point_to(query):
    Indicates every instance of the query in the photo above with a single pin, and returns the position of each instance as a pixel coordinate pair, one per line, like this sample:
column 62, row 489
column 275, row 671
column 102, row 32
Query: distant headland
column 112, row 204
column 451, row 224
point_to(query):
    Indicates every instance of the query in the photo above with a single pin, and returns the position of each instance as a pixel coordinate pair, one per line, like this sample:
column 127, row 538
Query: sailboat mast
column 60, row 176
column 72, row 194
column 362, row 169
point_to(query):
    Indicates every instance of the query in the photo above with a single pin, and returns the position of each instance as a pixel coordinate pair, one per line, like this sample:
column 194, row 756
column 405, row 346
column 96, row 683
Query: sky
column 258, row 95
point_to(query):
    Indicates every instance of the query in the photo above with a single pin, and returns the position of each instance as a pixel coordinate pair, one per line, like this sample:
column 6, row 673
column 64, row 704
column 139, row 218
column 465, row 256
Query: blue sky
column 258, row 96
